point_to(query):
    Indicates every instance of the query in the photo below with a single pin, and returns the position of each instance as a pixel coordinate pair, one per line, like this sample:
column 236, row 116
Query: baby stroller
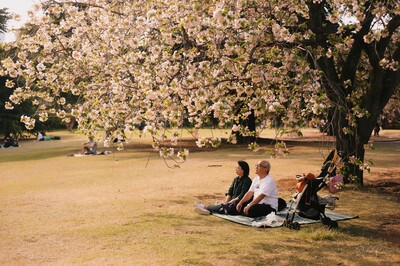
column 307, row 203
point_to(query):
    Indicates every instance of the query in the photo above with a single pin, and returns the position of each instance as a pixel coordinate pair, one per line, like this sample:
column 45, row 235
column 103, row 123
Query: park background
column 332, row 64
column 130, row 208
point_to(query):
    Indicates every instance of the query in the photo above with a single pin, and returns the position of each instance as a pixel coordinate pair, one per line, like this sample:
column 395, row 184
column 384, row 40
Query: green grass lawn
column 130, row 208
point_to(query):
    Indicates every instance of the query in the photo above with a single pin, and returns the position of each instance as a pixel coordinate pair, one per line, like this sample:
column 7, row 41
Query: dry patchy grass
column 129, row 208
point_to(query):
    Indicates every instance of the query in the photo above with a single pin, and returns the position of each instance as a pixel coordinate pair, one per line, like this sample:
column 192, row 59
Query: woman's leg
column 219, row 208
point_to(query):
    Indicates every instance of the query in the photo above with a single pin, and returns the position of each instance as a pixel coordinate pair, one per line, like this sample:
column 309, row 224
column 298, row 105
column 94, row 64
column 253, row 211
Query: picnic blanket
column 276, row 220
column 83, row 155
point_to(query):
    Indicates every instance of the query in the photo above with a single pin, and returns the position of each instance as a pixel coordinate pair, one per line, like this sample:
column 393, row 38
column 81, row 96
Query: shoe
column 199, row 205
column 202, row 211
column 331, row 206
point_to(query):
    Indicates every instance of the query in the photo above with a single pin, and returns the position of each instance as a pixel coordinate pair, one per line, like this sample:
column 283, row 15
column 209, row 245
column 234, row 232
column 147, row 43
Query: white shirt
column 40, row 136
column 267, row 187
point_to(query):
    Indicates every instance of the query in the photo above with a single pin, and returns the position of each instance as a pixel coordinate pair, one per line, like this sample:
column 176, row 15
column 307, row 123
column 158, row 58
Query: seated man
column 263, row 193
column 89, row 147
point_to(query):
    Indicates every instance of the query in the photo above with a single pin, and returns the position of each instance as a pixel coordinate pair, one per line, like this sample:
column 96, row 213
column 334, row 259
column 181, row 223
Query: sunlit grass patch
column 317, row 233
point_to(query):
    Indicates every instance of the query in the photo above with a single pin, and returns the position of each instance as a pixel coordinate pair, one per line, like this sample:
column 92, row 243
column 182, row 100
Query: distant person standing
column 70, row 123
column 89, row 147
column 377, row 129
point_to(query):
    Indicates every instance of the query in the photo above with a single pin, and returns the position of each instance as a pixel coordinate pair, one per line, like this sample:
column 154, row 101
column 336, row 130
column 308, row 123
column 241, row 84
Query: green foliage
column 9, row 119
column 4, row 17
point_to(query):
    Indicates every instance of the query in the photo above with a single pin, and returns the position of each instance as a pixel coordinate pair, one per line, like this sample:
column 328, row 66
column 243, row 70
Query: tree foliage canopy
column 166, row 61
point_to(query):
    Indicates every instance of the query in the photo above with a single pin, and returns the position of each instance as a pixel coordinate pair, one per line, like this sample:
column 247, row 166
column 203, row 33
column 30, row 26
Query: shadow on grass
column 357, row 231
column 37, row 155
column 375, row 233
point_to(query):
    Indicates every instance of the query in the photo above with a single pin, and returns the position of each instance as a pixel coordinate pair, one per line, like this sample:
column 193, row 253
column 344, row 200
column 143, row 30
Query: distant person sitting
column 89, row 147
column 41, row 136
column 141, row 126
column 9, row 141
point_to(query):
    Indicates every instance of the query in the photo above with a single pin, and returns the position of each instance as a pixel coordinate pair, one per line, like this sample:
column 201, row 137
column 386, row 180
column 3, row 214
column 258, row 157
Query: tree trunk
column 351, row 144
column 250, row 123
column 352, row 152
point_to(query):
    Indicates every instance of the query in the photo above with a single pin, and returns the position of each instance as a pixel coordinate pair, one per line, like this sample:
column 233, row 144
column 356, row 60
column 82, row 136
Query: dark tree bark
column 250, row 123
column 383, row 83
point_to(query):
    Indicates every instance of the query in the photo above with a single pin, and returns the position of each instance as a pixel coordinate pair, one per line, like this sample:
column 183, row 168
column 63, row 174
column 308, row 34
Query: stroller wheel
column 296, row 226
column 286, row 223
column 333, row 225
column 326, row 221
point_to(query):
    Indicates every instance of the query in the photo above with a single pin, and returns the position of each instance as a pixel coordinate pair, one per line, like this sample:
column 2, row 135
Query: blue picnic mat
column 277, row 221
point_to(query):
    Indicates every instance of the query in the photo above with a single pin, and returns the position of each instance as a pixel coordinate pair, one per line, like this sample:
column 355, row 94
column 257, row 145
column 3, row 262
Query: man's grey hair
column 267, row 165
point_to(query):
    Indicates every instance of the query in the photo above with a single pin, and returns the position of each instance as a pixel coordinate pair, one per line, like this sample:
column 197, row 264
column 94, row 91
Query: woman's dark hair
column 245, row 167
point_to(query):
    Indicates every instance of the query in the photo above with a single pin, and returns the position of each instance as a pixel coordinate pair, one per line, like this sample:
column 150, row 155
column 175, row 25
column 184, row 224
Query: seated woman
column 237, row 190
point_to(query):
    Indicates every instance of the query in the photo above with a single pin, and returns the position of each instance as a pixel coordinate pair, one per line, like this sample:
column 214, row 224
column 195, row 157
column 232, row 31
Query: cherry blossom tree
column 360, row 79
column 165, row 62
